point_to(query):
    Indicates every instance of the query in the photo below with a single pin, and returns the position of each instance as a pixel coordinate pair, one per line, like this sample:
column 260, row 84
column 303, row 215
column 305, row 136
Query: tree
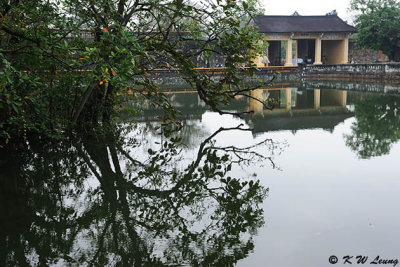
column 65, row 66
column 66, row 63
column 378, row 25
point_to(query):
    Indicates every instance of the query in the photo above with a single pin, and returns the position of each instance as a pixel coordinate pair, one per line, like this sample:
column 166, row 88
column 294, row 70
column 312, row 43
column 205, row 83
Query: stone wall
column 168, row 79
column 174, row 78
column 384, row 71
column 365, row 56
column 371, row 87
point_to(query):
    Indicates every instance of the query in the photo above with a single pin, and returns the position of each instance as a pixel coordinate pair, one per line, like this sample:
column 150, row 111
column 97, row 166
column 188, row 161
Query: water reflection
column 296, row 109
column 376, row 113
column 134, row 197
column 126, row 199
column 293, row 108
column 377, row 126
column 294, row 101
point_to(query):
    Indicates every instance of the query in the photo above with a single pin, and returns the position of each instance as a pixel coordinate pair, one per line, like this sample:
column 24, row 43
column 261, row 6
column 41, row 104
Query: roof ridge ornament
column 332, row 13
column 296, row 14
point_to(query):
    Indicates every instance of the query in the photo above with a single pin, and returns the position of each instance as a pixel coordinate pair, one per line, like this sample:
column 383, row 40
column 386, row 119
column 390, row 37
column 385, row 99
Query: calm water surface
column 327, row 162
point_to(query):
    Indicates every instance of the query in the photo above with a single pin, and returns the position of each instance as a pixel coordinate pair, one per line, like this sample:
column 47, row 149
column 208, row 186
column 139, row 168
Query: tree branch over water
column 76, row 59
column 121, row 207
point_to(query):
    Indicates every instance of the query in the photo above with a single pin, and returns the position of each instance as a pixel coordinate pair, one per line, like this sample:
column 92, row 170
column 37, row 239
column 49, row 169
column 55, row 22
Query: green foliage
column 377, row 126
column 96, row 198
column 71, row 59
column 378, row 25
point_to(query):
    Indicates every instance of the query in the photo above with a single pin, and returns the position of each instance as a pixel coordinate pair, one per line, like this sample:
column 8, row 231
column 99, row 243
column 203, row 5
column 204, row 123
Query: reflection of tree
column 377, row 126
column 97, row 202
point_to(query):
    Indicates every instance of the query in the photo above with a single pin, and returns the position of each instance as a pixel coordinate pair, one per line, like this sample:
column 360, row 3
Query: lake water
column 326, row 162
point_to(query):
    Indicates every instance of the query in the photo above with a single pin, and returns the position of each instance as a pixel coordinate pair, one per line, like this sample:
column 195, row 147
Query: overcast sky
column 307, row 7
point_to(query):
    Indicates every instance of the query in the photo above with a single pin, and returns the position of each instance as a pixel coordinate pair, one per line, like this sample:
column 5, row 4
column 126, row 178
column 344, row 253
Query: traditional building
column 309, row 39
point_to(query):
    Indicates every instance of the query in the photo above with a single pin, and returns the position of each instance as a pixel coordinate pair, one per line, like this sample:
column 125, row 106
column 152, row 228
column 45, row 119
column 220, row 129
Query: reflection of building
column 298, row 109
column 314, row 39
column 294, row 108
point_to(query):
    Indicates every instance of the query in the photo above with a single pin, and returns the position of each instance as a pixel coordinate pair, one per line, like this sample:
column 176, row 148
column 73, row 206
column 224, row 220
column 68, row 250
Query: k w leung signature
column 360, row 259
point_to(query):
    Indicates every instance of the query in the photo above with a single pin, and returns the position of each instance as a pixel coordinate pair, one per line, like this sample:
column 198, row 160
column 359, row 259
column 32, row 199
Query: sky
column 307, row 7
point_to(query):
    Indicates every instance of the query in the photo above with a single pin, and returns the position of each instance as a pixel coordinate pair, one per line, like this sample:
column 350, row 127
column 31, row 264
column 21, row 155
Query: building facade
column 309, row 39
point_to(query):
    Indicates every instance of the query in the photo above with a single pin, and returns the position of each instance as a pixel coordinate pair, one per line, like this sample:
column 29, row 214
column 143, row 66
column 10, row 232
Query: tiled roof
column 302, row 24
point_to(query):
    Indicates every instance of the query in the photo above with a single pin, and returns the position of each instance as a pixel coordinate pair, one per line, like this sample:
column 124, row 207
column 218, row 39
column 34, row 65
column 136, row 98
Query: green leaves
column 59, row 49
column 378, row 24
